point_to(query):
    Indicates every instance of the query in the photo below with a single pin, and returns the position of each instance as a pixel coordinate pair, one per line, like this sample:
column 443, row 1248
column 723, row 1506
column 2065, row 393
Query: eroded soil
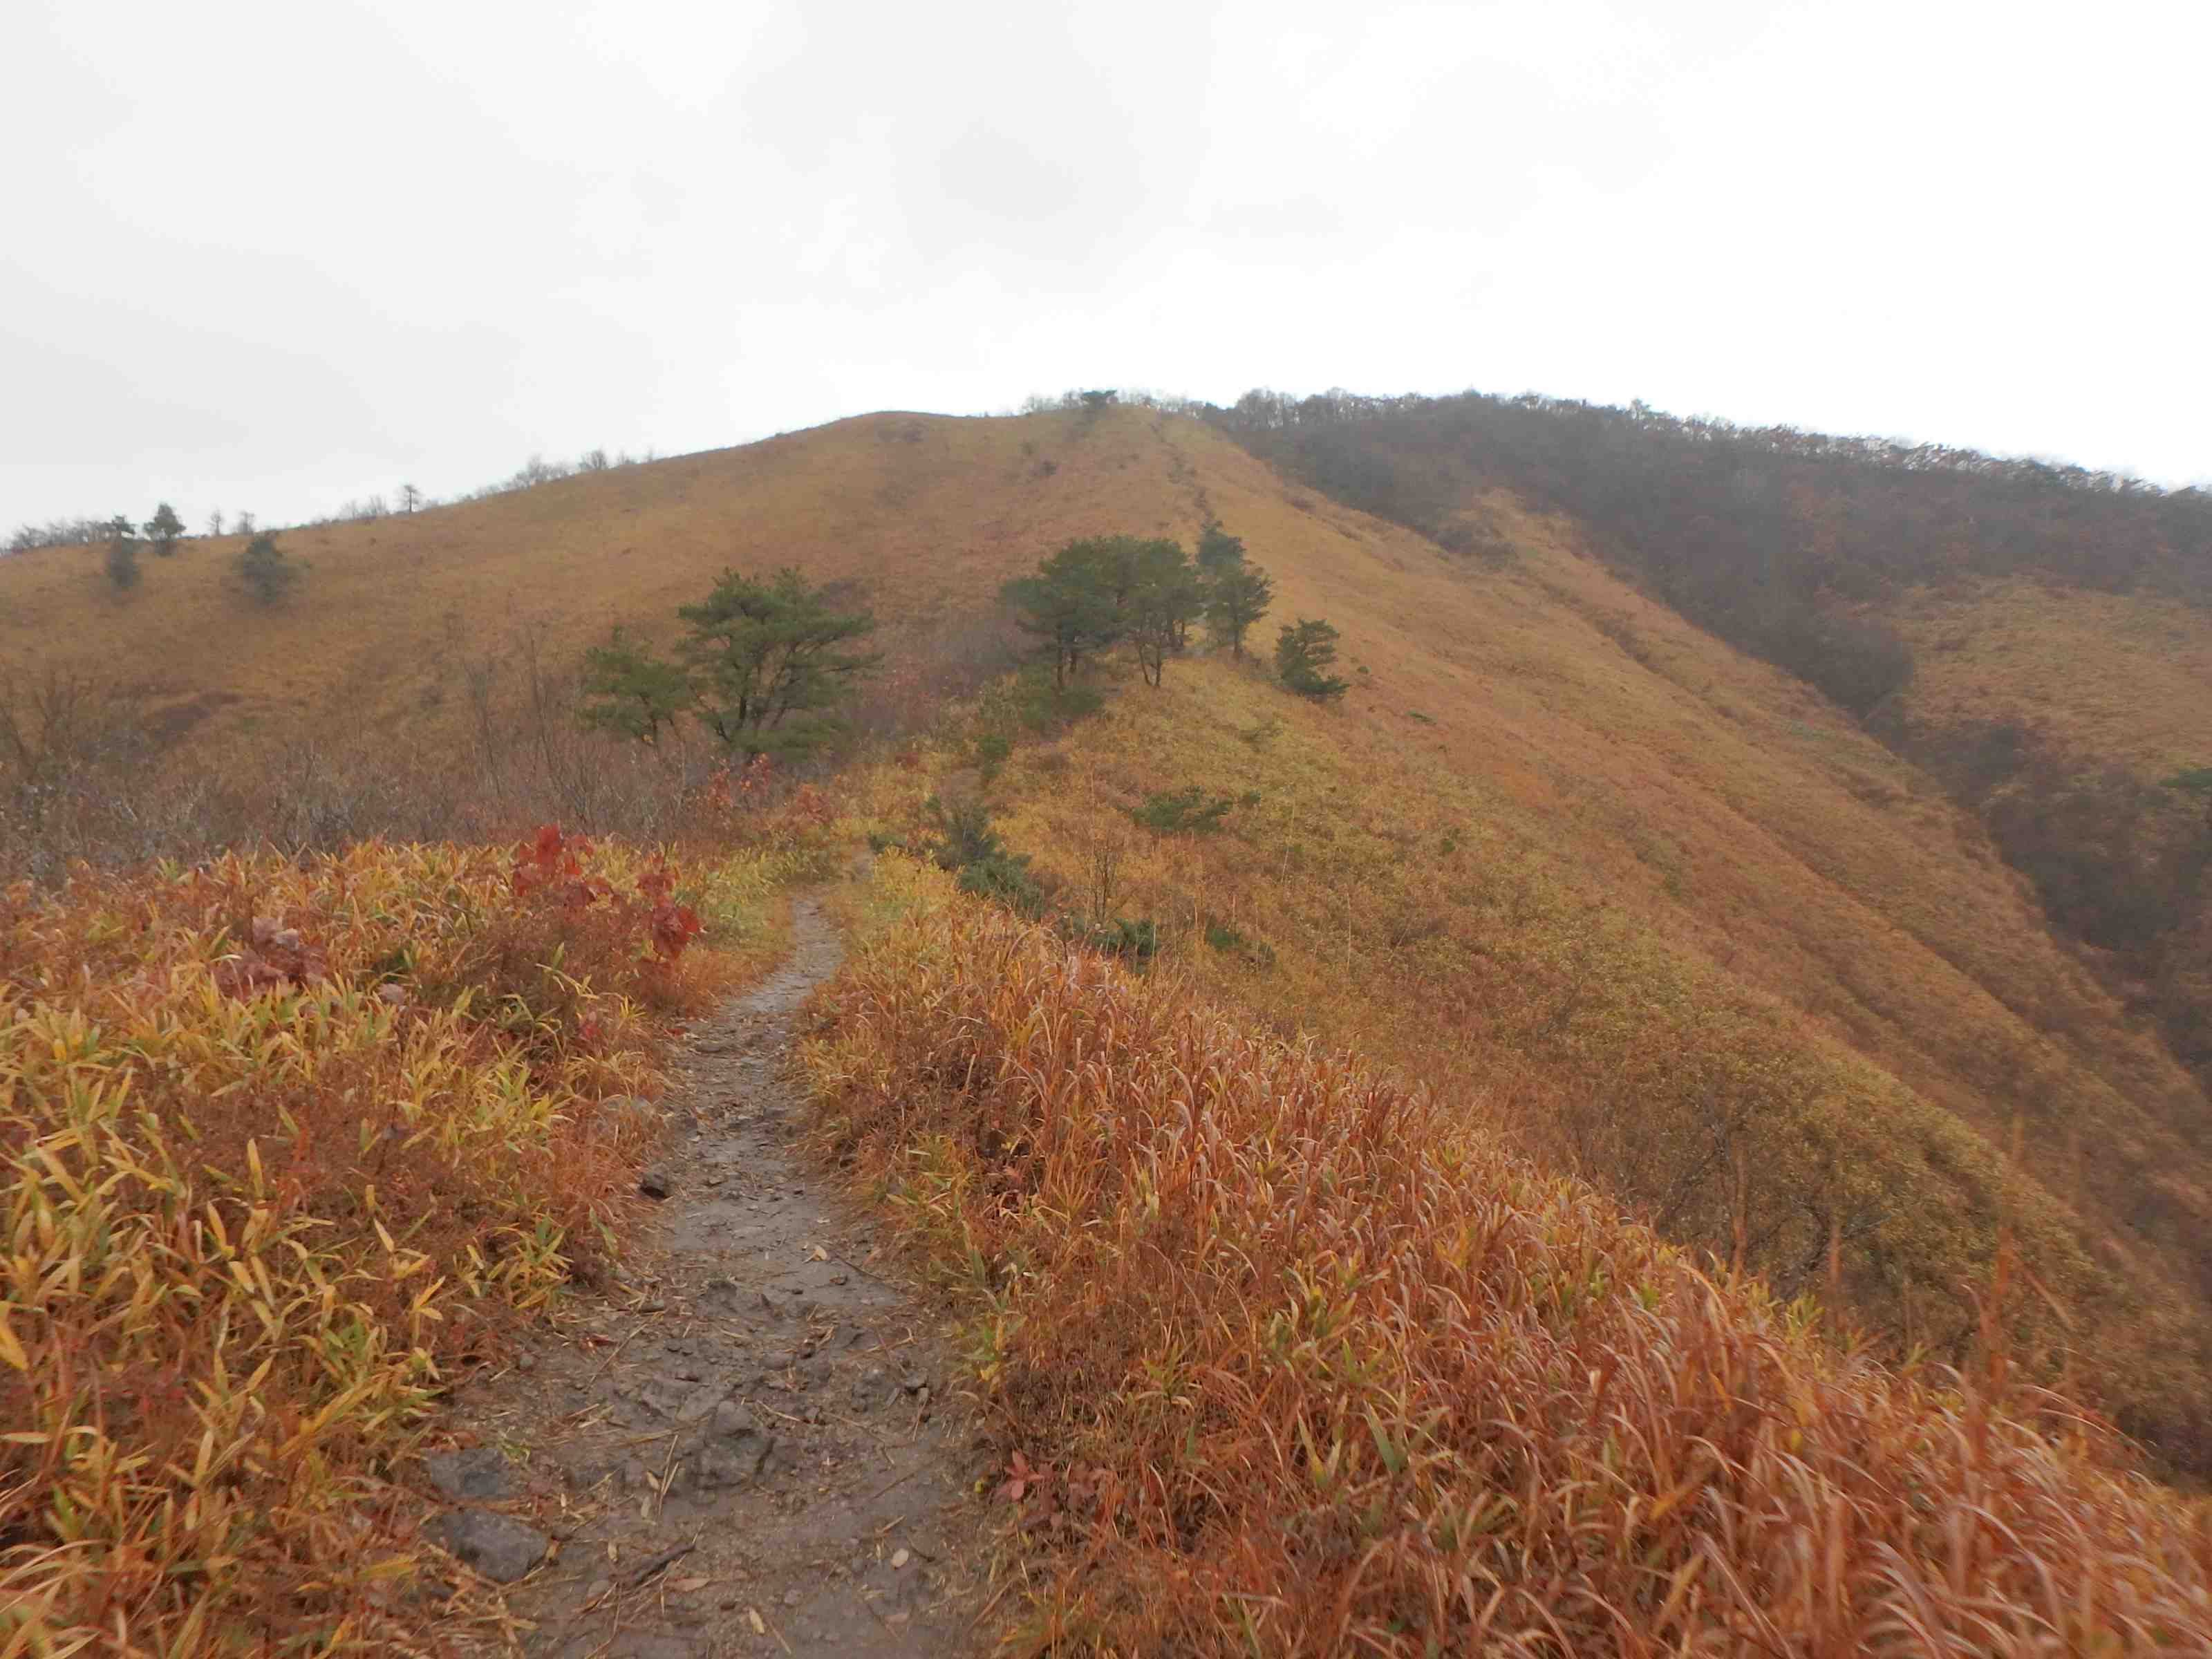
column 749, row 1448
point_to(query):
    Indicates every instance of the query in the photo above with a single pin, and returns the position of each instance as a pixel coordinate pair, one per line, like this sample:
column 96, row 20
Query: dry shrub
column 283, row 1140
column 91, row 773
column 1295, row 1362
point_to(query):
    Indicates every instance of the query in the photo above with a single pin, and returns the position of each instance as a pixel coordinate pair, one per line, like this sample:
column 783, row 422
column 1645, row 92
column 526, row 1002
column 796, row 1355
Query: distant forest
column 1775, row 539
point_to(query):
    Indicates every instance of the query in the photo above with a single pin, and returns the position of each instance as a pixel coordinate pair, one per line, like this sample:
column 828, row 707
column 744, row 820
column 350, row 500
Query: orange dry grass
column 2120, row 676
column 1668, row 1047
column 1554, row 833
column 280, row 1140
column 392, row 618
column 1297, row 1363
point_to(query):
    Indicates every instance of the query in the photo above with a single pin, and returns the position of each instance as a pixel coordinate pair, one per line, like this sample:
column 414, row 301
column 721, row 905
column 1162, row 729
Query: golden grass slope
column 1290, row 1358
column 1558, row 844
column 2119, row 676
column 1490, row 949
column 1677, row 921
column 930, row 514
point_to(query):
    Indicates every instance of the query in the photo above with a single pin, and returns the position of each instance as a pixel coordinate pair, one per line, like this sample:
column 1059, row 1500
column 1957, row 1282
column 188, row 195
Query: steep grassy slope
column 2037, row 636
column 2121, row 677
column 1658, row 910
column 1287, row 1358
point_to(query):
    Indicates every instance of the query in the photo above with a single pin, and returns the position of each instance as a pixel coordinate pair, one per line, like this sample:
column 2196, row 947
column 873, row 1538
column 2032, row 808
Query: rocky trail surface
column 747, row 1449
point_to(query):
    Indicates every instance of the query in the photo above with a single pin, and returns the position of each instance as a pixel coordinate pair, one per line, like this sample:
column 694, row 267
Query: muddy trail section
column 749, row 1448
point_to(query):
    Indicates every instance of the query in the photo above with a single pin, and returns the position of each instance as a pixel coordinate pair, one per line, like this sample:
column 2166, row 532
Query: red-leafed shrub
column 273, row 957
column 550, row 865
column 671, row 926
column 577, row 918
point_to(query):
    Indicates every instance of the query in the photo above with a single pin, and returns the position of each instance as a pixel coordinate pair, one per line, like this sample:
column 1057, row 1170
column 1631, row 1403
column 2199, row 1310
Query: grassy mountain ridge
column 1600, row 896
column 2033, row 636
column 1658, row 909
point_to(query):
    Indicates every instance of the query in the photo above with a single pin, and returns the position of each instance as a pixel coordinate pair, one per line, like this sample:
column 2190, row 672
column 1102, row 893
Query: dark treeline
column 1777, row 540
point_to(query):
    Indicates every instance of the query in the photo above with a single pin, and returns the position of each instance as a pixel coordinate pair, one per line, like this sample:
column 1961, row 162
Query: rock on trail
column 747, row 1449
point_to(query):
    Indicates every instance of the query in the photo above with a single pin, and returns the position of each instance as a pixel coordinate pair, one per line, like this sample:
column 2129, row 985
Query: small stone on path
column 479, row 1472
column 499, row 1546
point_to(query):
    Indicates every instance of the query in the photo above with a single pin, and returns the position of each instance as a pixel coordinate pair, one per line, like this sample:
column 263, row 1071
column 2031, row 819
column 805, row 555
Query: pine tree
column 1164, row 595
column 264, row 569
column 1238, row 597
column 1073, row 603
column 1218, row 551
column 1302, row 656
column 632, row 691
column 163, row 529
column 122, row 555
column 770, row 660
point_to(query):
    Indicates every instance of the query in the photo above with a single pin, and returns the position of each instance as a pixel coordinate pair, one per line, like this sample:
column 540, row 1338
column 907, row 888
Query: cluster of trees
column 1095, row 402
column 162, row 533
column 60, row 532
column 762, row 668
column 263, row 567
column 1099, row 591
column 2119, row 863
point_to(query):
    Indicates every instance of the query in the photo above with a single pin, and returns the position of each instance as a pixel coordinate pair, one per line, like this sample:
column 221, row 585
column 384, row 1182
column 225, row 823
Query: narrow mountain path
column 750, row 1448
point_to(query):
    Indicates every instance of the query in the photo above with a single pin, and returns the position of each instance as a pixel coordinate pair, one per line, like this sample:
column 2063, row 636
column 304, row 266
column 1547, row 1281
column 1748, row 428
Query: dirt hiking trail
column 747, row 1448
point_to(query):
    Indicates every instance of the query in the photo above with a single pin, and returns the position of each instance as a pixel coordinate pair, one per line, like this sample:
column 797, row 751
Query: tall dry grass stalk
column 1296, row 1362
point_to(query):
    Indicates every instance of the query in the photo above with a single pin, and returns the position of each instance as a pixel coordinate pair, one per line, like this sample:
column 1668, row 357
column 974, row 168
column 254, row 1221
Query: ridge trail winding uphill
column 750, row 1448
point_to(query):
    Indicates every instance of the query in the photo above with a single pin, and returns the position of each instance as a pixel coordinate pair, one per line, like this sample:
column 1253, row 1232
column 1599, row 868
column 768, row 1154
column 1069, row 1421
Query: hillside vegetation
column 397, row 619
column 2033, row 636
column 1662, row 913
column 284, row 1143
column 1294, row 1359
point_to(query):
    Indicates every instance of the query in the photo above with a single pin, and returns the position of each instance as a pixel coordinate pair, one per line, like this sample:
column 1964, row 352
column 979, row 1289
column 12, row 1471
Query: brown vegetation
column 1670, row 910
column 283, row 1141
column 1291, row 1358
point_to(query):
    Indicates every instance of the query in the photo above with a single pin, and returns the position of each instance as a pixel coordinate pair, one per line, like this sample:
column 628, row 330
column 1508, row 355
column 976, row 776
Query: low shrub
column 966, row 846
column 1191, row 811
column 1004, row 879
column 1219, row 936
column 1137, row 941
column 993, row 750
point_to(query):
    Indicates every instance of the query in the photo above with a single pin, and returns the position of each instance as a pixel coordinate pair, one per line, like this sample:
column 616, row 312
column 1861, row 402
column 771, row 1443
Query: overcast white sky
column 275, row 255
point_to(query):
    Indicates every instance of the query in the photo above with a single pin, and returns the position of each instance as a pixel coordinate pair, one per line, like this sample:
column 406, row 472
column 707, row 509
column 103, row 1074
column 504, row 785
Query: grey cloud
column 323, row 246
